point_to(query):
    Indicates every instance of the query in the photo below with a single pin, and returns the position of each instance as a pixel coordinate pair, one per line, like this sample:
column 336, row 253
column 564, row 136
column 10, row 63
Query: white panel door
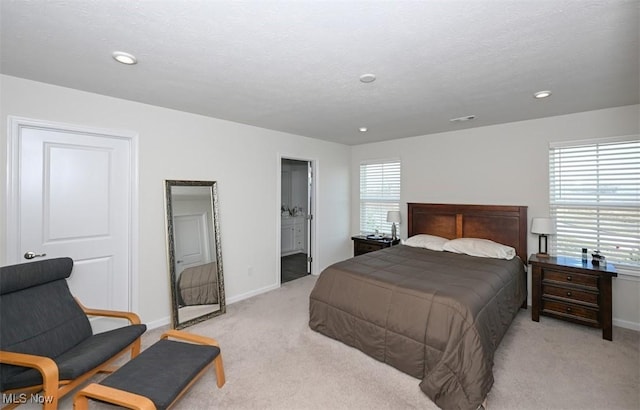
column 74, row 199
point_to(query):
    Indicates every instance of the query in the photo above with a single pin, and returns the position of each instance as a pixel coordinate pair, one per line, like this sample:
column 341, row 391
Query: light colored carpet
column 274, row 361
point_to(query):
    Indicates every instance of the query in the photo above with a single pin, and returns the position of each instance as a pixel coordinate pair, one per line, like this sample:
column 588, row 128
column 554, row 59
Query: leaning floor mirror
column 194, row 251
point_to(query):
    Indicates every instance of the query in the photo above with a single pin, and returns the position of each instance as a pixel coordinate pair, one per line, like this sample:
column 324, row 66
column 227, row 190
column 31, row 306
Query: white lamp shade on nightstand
column 543, row 226
column 393, row 216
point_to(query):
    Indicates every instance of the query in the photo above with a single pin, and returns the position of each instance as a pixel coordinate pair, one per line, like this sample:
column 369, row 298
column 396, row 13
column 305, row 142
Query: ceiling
column 294, row 66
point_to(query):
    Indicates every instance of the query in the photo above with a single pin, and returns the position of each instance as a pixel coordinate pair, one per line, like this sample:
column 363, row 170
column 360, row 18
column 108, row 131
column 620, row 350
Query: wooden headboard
column 500, row 223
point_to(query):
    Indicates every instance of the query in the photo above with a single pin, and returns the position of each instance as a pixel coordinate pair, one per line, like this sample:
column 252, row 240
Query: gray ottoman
column 158, row 376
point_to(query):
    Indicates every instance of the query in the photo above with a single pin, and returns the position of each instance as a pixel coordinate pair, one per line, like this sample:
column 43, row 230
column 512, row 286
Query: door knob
column 31, row 255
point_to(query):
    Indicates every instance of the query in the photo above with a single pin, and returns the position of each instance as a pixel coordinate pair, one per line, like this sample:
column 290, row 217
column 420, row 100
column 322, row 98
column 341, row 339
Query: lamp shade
column 543, row 226
column 393, row 216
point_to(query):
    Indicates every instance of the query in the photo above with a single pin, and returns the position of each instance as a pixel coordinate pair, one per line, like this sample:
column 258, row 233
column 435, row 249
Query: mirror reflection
column 194, row 251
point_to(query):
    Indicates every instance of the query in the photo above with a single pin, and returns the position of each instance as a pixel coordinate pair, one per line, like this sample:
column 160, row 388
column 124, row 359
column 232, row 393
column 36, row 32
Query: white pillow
column 480, row 247
column 431, row 242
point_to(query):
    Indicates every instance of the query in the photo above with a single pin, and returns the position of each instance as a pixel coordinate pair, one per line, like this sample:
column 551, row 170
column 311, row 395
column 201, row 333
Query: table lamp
column 543, row 227
column 394, row 217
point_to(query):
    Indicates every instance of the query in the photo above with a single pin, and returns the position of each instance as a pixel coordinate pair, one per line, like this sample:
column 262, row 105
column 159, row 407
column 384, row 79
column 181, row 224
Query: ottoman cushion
column 162, row 371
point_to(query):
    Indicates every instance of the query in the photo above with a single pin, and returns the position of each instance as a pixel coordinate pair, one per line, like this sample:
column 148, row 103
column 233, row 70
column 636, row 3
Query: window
column 379, row 193
column 595, row 198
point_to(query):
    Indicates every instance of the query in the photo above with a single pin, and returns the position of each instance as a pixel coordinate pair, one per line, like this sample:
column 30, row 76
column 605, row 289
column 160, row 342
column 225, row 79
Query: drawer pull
column 569, row 278
column 568, row 293
column 568, row 310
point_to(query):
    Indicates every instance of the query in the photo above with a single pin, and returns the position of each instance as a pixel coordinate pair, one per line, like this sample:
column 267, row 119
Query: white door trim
column 14, row 124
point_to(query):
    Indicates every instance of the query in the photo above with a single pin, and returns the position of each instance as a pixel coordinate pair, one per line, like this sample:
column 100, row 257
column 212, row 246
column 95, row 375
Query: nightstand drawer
column 368, row 247
column 570, row 277
column 568, row 309
column 570, row 293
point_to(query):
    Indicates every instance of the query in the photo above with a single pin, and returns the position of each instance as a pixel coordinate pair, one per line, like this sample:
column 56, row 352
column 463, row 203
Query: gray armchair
column 46, row 341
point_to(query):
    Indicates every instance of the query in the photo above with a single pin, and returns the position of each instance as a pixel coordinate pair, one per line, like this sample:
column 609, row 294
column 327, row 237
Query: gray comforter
column 437, row 316
column 198, row 285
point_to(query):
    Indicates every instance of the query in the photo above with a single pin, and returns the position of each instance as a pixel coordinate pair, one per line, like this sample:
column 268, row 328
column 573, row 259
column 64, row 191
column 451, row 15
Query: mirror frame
column 169, row 183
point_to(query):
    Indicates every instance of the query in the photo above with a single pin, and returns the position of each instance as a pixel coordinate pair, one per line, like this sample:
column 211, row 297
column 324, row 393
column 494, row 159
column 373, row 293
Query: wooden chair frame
column 52, row 387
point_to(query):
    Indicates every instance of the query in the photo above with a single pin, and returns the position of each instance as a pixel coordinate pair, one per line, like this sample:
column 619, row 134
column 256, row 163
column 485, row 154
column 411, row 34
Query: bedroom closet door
column 71, row 194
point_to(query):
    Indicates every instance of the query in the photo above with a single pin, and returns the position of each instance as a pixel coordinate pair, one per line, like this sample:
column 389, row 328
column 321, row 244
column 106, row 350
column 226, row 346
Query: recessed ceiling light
column 542, row 94
column 462, row 119
column 368, row 78
column 124, row 58
column 362, row 129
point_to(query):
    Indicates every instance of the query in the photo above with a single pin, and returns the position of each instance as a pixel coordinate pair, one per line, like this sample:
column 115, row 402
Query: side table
column 572, row 290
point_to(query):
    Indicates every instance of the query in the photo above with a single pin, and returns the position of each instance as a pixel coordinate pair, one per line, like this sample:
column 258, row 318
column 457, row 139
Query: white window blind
column 595, row 198
column 379, row 193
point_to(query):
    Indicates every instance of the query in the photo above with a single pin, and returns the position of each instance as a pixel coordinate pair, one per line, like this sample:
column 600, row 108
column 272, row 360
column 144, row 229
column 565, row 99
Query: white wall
column 504, row 164
column 178, row 145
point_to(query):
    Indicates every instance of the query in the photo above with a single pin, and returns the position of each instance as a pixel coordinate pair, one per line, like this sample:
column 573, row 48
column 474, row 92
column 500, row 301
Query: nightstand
column 568, row 289
column 362, row 245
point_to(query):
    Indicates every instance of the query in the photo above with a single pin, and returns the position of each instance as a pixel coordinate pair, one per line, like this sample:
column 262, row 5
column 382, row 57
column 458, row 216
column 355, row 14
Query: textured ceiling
column 294, row 66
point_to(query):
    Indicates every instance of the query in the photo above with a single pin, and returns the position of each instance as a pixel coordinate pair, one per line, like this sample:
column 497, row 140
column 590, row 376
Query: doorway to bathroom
column 296, row 215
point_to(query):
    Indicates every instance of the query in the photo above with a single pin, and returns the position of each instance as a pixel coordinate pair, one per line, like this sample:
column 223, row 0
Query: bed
column 436, row 315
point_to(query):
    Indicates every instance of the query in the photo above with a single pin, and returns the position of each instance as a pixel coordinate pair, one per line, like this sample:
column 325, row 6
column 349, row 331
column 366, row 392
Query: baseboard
column 626, row 324
column 159, row 323
column 167, row 320
column 253, row 293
